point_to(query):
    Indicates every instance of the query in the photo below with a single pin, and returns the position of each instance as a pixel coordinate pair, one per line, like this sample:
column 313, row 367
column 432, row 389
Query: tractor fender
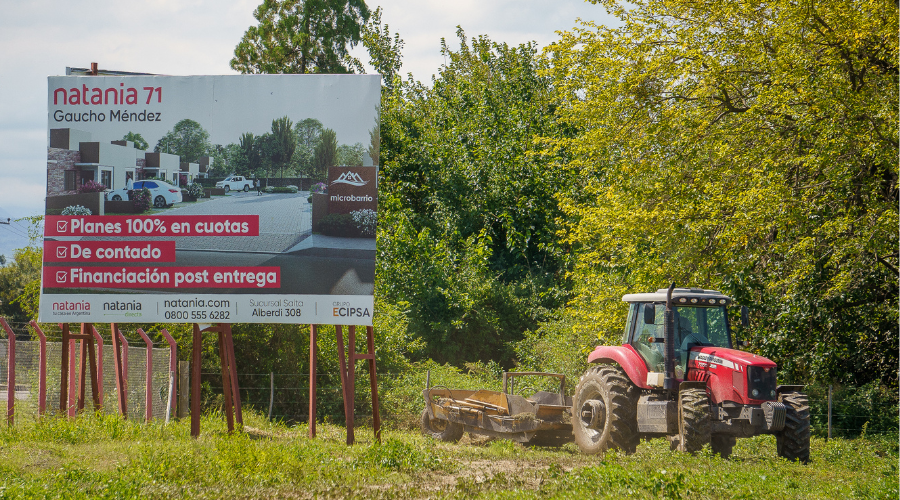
column 626, row 357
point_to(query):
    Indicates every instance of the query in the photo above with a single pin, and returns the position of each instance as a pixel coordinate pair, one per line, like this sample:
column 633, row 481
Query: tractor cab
column 700, row 320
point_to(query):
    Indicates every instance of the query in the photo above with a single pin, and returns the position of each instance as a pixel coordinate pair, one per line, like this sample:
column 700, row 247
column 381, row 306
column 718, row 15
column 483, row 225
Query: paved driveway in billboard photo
column 284, row 221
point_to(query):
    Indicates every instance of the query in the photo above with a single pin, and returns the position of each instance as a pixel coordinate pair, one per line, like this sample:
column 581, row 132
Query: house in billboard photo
column 75, row 159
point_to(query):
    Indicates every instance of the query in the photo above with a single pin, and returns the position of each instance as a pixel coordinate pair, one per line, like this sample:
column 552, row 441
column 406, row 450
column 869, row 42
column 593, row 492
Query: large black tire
column 159, row 202
column 604, row 411
column 722, row 444
column 246, row 188
column 443, row 430
column 227, row 188
column 793, row 440
column 116, row 198
column 693, row 420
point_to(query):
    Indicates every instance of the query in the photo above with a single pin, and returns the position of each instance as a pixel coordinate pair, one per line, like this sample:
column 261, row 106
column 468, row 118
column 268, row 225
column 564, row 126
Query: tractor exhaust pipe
column 669, row 330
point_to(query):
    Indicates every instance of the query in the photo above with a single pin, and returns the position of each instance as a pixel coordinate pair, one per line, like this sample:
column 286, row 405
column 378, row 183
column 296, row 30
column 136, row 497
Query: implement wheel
column 604, row 411
column 449, row 432
column 793, row 440
column 693, row 420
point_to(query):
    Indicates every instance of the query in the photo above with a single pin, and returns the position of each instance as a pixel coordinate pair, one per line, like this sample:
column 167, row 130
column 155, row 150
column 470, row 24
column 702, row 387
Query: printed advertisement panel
column 137, row 231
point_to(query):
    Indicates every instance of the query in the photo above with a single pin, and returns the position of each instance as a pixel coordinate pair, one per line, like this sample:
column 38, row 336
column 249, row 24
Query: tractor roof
column 682, row 297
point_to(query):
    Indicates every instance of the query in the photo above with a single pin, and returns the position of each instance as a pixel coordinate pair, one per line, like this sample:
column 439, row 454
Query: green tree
column 137, row 139
column 24, row 269
column 268, row 152
column 306, row 135
column 467, row 217
column 284, row 141
column 302, row 36
column 324, row 154
column 350, row 156
column 187, row 139
column 385, row 51
column 747, row 147
column 374, row 150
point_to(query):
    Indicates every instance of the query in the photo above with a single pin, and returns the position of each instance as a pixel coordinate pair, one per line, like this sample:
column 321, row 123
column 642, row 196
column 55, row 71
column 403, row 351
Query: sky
column 40, row 38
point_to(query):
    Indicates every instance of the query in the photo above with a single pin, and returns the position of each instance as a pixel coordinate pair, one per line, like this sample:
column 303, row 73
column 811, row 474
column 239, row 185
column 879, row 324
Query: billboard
column 287, row 237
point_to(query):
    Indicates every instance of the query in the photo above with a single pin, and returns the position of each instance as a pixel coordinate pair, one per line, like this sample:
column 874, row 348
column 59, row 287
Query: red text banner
column 151, row 225
column 161, row 277
column 109, row 251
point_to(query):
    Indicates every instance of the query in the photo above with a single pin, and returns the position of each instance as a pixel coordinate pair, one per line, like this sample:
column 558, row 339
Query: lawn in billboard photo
column 287, row 235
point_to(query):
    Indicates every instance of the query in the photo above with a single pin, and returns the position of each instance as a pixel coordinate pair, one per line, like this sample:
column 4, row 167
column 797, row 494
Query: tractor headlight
column 755, row 392
column 772, row 393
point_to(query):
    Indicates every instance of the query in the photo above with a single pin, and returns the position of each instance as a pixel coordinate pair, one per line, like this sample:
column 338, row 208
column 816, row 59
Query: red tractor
column 677, row 376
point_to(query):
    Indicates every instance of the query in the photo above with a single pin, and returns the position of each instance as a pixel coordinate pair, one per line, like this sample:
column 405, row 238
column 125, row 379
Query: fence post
column 173, row 361
column 830, row 386
column 184, row 379
column 42, row 368
column 10, row 374
column 271, row 393
column 99, row 340
column 171, row 394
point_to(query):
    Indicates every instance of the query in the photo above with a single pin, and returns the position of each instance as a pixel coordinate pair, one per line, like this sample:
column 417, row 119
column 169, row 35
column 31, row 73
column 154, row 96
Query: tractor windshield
column 703, row 326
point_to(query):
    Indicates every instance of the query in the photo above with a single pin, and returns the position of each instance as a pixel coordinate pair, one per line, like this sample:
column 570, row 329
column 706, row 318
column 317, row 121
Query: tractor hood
column 733, row 375
column 729, row 357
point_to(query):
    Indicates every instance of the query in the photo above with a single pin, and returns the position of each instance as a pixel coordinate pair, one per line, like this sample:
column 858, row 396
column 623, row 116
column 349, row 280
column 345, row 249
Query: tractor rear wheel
column 693, row 420
column 604, row 411
column 793, row 441
column 722, row 444
column 443, row 430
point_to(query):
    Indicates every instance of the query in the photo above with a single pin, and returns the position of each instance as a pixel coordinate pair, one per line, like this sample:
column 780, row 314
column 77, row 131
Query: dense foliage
column 467, row 243
column 302, row 36
column 746, row 147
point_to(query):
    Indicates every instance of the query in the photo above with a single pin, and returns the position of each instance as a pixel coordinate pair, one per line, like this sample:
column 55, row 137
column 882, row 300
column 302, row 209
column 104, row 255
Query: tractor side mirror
column 745, row 316
column 649, row 314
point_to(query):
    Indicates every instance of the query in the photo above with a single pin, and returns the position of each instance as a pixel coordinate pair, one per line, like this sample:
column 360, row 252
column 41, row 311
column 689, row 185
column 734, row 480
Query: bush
column 92, row 187
column 76, row 210
column 317, row 188
column 195, row 190
column 141, row 200
column 338, row 225
column 365, row 221
column 281, row 189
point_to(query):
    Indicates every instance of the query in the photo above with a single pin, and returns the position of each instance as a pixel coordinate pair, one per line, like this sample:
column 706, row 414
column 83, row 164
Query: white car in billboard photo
column 235, row 183
column 162, row 193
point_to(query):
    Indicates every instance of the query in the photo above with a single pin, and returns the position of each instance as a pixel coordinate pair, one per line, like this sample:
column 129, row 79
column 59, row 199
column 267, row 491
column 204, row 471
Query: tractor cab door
column 648, row 335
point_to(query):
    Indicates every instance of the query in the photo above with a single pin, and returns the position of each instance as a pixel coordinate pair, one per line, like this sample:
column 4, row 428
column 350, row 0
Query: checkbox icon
column 61, row 276
column 62, row 225
column 61, row 252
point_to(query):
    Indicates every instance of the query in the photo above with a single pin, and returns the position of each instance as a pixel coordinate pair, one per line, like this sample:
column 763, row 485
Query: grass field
column 106, row 457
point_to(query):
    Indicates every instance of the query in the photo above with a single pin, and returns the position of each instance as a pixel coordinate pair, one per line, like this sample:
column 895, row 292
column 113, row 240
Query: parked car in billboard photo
column 235, row 183
column 162, row 193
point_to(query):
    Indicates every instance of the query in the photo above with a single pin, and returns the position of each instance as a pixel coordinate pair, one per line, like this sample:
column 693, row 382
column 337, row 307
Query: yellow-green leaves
column 743, row 146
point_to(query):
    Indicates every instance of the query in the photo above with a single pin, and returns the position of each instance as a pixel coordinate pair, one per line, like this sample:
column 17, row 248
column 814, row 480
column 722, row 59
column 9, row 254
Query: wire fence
column 854, row 410
column 27, row 358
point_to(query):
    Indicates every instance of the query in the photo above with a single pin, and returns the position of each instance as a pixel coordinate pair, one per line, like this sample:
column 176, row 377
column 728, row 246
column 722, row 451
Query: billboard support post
column 64, row 371
column 117, row 364
column 348, row 378
column 99, row 340
column 229, row 377
column 66, row 390
column 148, row 386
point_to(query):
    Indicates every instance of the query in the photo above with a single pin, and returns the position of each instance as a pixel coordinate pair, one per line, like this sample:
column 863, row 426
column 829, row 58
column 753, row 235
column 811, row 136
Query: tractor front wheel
column 793, row 441
column 693, row 420
column 442, row 430
column 604, row 411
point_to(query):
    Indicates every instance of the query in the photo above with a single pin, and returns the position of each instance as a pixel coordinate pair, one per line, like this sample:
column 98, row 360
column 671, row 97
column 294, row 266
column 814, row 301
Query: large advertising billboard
column 288, row 236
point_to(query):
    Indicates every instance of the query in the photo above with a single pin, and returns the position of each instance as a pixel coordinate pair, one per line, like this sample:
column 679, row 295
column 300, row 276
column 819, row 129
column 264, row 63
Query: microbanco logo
column 351, row 178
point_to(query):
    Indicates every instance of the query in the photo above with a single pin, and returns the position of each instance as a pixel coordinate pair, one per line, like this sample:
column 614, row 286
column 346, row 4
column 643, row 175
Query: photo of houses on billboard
column 258, row 202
